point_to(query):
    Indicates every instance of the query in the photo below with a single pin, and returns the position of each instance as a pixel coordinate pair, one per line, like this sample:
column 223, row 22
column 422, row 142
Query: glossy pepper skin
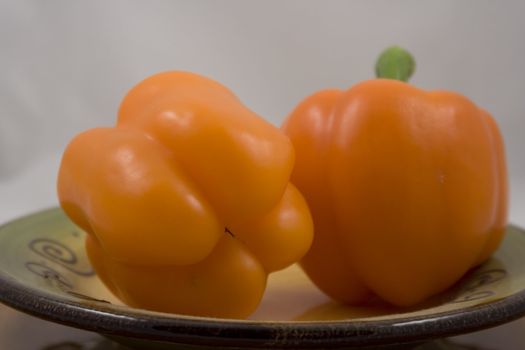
column 407, row 188
column 186, row 201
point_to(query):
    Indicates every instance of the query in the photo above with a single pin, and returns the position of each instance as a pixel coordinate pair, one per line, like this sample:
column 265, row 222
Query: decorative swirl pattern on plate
column 86, row 297
column 476, row 288
column 58, row 253
column 49, row 274
column 53, row 276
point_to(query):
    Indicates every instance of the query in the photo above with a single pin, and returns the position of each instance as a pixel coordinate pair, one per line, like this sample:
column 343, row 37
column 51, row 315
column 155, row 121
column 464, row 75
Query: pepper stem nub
column 395, row 63
column 227, row 230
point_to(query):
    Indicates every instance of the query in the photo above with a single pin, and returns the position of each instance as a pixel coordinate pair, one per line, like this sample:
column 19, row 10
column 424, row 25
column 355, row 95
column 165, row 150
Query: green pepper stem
column 395, row 63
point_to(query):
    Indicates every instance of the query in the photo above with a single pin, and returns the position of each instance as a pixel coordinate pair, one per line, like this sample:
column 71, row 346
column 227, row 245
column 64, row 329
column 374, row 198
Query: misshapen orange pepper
column 187, row 201
column 407, row 188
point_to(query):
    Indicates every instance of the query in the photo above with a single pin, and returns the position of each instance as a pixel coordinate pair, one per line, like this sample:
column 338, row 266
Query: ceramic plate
column 44, row 272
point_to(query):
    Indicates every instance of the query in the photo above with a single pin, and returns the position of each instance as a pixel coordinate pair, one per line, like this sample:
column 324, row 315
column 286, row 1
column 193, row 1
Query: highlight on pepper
column 407, row 188
column 186, row 200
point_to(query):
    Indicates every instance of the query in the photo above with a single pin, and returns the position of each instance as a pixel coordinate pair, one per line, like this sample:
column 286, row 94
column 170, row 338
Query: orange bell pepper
column 187, row 201
column 407, row 188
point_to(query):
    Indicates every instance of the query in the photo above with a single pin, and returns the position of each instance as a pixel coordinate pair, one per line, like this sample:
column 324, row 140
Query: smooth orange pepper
column 407, row 188
column 187, row 201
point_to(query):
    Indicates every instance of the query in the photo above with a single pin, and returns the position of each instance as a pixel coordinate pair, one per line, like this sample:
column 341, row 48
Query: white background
column 65, row 65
